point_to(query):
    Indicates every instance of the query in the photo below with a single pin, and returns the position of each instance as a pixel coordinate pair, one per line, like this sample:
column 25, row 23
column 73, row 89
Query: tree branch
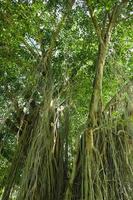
column 31, row 50
column 113, row 18
column 52, row 44
column 95, row 22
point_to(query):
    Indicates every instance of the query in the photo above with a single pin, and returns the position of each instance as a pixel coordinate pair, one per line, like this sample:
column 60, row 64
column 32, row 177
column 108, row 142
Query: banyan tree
column 63, row 43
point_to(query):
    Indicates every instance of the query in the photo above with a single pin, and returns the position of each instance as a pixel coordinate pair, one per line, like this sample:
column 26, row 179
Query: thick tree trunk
column 44, row 68
column 88, row 156
column 96, row 100
column 93, row 121
column 21, row 153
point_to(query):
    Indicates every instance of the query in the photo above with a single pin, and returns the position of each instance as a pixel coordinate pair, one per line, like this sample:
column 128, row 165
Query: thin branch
column 104, row 23
column 31, row 49
column 104, row 35
column 95, row 22
column 52, row 44
column 113, row 18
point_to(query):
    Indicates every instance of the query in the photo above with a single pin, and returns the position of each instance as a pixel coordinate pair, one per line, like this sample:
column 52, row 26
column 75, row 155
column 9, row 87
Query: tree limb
column 31, row 49
column 95, row 22
column 113, row 18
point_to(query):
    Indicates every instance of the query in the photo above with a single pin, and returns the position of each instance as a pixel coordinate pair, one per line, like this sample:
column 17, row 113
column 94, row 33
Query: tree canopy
column 66, row 99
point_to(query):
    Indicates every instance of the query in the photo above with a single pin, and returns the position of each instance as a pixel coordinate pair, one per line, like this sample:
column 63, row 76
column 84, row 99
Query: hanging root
column 106, row 171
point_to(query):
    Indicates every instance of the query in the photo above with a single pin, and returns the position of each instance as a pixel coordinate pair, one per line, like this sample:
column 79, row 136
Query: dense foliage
column 49, row 52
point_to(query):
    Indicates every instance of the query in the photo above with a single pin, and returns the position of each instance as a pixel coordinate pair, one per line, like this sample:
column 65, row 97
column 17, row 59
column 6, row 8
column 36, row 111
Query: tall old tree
column 66, row 122
column 95, row 149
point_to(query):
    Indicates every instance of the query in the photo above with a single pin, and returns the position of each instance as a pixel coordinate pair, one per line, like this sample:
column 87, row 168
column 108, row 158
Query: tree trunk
column 20, row 154
column 90, row 151
column 96, row 99
column 44, row 69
